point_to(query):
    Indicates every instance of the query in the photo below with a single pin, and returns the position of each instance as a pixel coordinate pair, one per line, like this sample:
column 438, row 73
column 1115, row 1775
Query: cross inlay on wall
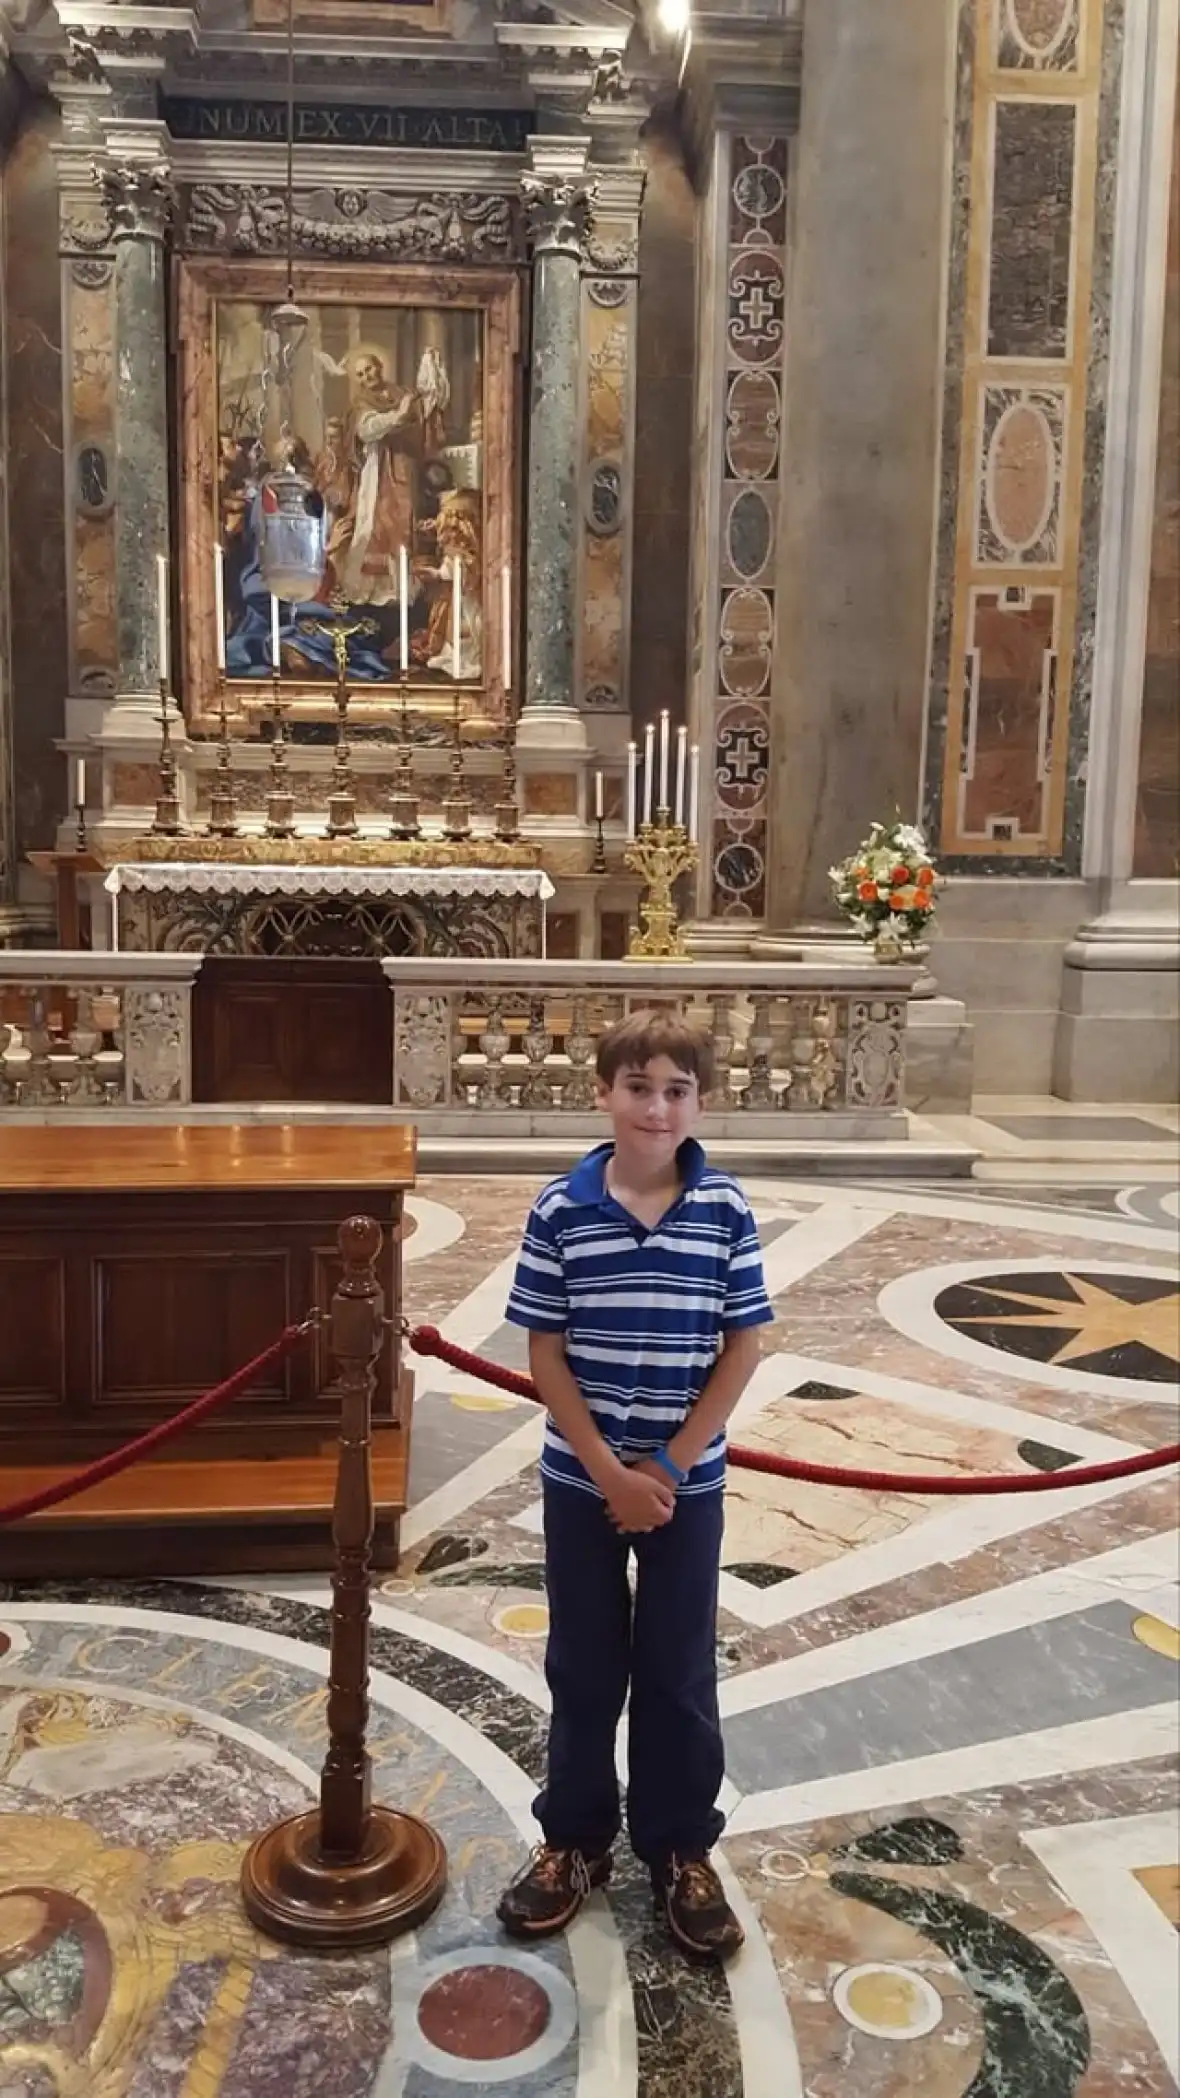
column 745, row 755
column 757, row 309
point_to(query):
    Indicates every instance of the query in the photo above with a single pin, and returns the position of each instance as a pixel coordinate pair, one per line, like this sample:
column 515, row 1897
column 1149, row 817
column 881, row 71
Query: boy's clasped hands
column 639, row 1497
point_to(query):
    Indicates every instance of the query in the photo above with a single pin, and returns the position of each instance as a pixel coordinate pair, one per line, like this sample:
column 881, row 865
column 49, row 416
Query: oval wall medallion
column 747, row 629
column 748, row 534
column 758, row 190
column 742, row 756
column 1040, row 27
column 752, row 425
column 1021, row 475
column 92, row 479
column 756, row 292
column 605, row 499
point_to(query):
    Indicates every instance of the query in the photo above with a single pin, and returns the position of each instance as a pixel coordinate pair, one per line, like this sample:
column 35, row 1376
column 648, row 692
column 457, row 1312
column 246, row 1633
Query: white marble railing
column 86, row 1030
column 477, row 1041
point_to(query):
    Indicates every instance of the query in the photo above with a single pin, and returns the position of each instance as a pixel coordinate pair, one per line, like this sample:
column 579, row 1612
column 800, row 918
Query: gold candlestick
column 280, row 801
column 167, row 819
column 342, row 821
column 456, row 808
column 661, row 853
column 223, row 811
column 507, row 808
column 403, row 802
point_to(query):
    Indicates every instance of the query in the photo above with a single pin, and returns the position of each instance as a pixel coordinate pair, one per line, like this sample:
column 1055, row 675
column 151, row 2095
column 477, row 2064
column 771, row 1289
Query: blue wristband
column 669, row 1465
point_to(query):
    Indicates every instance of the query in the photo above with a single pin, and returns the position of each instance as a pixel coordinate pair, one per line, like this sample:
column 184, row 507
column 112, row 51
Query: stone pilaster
column 855, row 545
column 138, row 189
column 557, row 199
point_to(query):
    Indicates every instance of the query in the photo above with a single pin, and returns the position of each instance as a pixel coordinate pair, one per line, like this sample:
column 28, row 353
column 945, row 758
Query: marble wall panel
column 36, row 505
column 90, row 332
column 1034, row 157
column 663, row 436
column 1157, row 809
column 752, row 272
column 609, row 311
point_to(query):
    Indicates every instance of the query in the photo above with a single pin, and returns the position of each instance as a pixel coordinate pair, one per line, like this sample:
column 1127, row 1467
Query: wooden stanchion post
column 348, row 1873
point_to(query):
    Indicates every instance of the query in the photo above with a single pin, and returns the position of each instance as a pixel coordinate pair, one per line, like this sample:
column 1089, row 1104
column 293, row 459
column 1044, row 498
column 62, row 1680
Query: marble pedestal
column 1118, row 1030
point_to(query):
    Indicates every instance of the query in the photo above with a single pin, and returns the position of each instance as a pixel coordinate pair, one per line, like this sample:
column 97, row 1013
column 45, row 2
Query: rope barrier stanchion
column 146, row 1445
column 427, row 1340
column 348, row 1874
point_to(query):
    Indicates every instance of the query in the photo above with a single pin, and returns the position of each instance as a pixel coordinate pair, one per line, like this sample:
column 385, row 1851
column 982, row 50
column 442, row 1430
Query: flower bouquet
column 886, row 887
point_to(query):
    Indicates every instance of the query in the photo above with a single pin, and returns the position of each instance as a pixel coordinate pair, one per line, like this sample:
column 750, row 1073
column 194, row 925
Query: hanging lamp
column 293, row 534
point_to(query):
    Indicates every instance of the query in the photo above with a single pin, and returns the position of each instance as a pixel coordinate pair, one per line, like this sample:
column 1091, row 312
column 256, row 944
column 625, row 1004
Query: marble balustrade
column 79, row 1030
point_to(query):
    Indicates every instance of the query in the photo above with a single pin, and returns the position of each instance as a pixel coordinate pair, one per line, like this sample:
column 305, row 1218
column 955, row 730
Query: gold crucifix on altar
column 340, row 631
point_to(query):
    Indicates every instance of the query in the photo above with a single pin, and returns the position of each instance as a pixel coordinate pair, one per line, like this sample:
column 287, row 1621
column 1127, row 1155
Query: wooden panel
column 117, row 1159
column 32, row 1329
column 300, row 1030
column 169, row 1322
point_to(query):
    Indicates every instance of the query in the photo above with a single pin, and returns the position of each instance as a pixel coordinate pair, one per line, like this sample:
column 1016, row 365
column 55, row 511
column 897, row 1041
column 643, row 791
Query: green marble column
column 139, row 197
column 556, row 211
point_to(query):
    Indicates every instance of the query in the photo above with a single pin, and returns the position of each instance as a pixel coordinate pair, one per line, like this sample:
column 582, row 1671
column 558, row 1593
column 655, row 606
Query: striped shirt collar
column 587, row 1182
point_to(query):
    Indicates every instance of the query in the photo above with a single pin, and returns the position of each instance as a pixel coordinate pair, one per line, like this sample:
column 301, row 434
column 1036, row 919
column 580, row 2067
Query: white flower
column 910, row 840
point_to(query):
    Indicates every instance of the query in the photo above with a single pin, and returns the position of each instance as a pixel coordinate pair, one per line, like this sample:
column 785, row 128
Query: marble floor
column 951, row 1723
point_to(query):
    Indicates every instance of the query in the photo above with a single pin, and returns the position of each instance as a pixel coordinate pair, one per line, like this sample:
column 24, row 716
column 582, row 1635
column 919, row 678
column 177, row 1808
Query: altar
column 303, row 910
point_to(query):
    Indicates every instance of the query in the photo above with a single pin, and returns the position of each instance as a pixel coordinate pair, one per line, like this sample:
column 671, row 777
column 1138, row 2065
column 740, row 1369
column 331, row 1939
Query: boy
column 640, row 1281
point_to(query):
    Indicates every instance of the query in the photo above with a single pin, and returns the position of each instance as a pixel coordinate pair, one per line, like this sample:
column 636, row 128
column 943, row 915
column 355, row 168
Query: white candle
column 403, row 589
column 274, row 631
column 79, row 783
column 456, row 615
column 632, row 781
column 599, row 805
column 506, row 625
column 681, row 756
column 663, row 757
column 649, row 769
column 162, row 613
column 219, row 602
column 694, row 790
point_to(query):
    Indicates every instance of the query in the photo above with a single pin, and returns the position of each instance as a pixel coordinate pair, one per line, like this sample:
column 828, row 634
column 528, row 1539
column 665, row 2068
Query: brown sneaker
column 692, row 1899
column 547, row 1895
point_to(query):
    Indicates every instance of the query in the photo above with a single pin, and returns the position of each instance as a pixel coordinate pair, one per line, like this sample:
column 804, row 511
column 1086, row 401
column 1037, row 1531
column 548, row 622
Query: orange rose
column 867, row 892
column 923, row 901
column 899, row 875
column 925, row 877
column 902, row 899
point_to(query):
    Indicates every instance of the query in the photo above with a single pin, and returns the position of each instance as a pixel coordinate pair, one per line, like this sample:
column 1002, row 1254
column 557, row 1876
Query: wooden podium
column 139, row 1267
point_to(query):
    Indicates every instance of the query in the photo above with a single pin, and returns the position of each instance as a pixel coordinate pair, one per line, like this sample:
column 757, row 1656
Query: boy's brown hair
column 633, row 1043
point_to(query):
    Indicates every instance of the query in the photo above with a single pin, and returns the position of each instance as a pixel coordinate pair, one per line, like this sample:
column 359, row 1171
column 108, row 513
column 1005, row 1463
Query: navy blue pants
column 662, row 1644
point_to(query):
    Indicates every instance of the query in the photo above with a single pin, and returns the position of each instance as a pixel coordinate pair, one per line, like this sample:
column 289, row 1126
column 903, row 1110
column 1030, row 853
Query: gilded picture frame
column 403, row 412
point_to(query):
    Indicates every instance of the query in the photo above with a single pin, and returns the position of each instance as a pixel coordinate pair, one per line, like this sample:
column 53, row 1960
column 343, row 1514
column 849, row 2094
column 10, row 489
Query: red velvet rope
column 131, row 1452
column 427, row 1340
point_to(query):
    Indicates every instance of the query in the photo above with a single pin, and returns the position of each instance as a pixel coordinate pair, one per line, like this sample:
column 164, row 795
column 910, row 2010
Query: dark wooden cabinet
column 138, row 1268
column 292, row 1030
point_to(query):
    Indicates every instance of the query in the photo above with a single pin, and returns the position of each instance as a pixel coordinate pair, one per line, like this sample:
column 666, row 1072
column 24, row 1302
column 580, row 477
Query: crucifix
column 339, row 631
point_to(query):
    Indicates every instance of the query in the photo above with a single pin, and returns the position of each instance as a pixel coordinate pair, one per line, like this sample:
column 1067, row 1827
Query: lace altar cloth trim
column 225, row 879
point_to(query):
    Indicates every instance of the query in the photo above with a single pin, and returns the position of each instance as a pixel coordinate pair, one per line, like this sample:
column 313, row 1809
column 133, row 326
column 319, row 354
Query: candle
column 403, row 587
column 79, row 783
column 456, row 615
column 663, row 757
column 649, row 752
column 274, row 631
column 162, row 613
column 599, row 806
column 681, row 755
column 506, row 624
column 632, row 772
column 694, row 790
column 219, row 602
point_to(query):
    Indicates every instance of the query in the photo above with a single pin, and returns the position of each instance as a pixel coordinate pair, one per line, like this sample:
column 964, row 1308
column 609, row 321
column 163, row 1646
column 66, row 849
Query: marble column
column 556, row 204
column 857, row 515
column 139, row 194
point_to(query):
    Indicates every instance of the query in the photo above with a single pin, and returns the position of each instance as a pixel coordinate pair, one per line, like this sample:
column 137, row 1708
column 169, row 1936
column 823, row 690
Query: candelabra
column 223, row 812
column 456, row 808
column 167, row 819
column 598, row 863
column 661, row 853
column 403, row 802
column 280, row 801
column 339, row 631
column 507, row 809
column 81, row 838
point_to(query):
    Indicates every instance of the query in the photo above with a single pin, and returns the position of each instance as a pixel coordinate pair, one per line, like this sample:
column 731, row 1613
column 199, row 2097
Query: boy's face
column 652, row 1110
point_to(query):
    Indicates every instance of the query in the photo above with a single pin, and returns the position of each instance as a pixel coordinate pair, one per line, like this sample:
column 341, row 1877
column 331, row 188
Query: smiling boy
column 640, row 1282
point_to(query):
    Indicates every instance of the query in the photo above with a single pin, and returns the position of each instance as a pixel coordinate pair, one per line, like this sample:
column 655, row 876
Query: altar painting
column 398, row 416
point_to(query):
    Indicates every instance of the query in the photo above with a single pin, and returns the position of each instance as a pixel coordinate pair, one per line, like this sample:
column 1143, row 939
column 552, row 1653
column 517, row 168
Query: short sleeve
column 746, row 1301
column 539, row 1299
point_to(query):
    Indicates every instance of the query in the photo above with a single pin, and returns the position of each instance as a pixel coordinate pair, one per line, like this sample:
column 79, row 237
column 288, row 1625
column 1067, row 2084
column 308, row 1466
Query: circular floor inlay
column 1159, row 1637
column 890, row 2002
column 523, row 1620
column 484, row 2013
column 483, row 1402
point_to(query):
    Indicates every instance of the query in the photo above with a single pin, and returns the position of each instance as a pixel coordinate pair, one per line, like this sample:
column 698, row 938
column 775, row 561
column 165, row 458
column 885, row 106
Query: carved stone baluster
column 40, row 1041
column 495, row 1041
column 823, row 1060
column 110, row 1062
column 723, row 1091
column 800, row 1050
column 537, row 1087
column 759, row 1092
column 578, row 1090
column 84, row 1040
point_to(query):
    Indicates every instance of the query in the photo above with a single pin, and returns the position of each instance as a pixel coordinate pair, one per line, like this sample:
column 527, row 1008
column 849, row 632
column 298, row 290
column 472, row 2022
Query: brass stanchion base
column 293, row 1892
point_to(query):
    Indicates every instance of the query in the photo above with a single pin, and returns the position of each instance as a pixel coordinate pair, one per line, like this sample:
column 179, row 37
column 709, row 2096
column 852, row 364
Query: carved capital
column 139, row 199
column 556, row 211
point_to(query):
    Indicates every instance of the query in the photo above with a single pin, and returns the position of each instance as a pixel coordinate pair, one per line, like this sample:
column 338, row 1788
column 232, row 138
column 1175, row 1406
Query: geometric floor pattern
column 951, row 1724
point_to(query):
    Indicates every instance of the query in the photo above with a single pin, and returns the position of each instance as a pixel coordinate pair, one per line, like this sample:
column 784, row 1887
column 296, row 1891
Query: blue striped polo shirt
column 643, row 1311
